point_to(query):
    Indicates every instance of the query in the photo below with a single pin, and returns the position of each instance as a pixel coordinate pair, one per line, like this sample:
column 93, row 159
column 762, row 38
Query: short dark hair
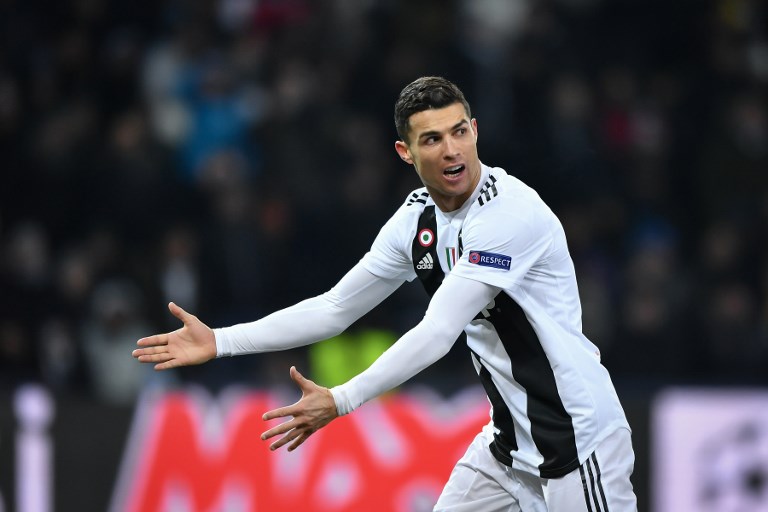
column 425, row 93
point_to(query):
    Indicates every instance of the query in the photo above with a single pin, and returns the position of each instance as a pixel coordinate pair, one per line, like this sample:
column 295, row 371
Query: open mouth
column 452, row 171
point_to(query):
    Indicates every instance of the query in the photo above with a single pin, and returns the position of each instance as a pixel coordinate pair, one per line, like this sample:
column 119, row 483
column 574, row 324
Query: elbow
column 331, row 322
column 336, row 326
column 441, row 335
column 338, row 317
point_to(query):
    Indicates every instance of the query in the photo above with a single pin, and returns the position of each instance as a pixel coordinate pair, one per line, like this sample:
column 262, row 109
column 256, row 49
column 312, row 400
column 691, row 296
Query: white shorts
column 480, row 483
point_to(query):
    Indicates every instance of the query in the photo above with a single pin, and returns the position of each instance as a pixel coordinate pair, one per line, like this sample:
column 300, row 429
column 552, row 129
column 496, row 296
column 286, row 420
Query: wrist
column 341, row 399
column 332, row 401
column 221, row 344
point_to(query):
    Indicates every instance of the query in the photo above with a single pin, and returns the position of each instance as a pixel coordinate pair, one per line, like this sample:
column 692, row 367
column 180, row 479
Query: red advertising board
column 188, row 451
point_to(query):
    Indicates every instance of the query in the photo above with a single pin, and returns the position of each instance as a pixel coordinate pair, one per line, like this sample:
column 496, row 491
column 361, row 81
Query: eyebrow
column 435, row 132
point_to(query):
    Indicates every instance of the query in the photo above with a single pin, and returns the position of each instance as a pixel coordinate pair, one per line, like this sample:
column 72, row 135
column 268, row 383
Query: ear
column 474, row 127
column 403, row 151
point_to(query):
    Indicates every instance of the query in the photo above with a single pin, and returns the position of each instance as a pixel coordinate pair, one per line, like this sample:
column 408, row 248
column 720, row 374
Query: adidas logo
column 426, row 263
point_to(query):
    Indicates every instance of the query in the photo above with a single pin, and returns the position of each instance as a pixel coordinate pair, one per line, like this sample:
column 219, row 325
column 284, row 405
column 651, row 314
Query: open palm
column 193, row 343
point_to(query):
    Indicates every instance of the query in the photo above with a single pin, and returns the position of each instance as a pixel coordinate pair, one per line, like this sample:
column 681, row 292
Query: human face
column 442, row 146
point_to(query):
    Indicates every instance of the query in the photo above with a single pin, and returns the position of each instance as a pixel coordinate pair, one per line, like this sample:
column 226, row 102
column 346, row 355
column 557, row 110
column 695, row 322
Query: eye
column 429, row 141
column 461, row 131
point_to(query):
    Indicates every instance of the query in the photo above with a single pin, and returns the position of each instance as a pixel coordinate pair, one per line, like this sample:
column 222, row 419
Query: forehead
column 437, row 120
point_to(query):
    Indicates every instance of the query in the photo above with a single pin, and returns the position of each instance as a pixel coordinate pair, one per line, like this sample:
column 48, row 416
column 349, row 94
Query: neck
column 448, row 204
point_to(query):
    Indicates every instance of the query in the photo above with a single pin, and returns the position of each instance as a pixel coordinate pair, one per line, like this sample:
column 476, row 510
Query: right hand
column 313, row 411
column 194, row 343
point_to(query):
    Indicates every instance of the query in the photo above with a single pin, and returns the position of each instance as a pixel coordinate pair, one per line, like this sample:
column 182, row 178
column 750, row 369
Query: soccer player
column 494, row 259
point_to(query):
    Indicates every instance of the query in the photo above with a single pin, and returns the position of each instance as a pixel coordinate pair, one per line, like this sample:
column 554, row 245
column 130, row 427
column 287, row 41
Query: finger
column 280, row 429
column 287, row 438
column 300, row 380
column 171, row 363
column 282, row 412
column 155, row 358
column 299, row 441
column 153, row 341
column 159, row 349
column 178, row 312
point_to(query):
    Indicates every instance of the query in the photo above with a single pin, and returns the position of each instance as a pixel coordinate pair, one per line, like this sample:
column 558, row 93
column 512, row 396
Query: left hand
column 313, row 411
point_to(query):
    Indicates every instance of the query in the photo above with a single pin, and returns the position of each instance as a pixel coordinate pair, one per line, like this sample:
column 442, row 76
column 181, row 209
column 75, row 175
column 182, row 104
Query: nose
column 451, row 149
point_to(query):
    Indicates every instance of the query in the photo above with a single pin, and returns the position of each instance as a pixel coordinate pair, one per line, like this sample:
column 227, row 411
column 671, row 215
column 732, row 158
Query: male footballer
column 494, row 259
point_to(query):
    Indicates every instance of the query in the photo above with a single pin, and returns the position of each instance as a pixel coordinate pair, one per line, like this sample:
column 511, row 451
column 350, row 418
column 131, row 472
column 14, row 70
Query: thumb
column 178, row 312
column 299, row 379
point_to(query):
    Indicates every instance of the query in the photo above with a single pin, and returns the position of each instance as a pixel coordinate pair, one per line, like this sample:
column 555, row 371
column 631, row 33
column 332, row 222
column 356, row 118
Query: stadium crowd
column 235, row 156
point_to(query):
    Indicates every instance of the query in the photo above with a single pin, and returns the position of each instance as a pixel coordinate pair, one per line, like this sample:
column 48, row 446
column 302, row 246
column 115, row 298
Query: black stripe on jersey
column 505, row 441
column 433, row 277
column 551, row 425
column 488, row 189
column 418, row 198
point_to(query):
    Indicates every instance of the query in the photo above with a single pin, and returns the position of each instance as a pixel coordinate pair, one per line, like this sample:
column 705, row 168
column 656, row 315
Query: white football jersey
column 552, row 400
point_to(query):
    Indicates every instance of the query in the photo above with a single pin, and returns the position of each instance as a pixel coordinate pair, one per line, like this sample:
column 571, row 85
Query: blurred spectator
column 134, row 180
column 728, row 281
column 115, row 321
column 734, row 348
column 62, row 365
column 17, row 354
column 220, row 117
column 737, row 142
column 179, row 271
column 655, row 295
column 25, row 282
column 233, row 251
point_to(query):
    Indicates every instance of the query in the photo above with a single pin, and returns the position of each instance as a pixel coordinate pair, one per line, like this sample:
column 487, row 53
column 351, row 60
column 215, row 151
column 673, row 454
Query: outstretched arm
column 453, row 306
column 309, row 321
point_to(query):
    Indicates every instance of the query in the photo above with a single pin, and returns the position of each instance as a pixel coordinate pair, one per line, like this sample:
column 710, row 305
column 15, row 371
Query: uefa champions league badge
column 490, row 259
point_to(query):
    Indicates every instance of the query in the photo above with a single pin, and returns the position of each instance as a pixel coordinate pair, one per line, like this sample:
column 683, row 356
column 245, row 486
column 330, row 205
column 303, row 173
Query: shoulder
column 412, row 206
column 507, row 208
column 402, row 224
column 390, row 254
column 502, row 192
column 417, row 199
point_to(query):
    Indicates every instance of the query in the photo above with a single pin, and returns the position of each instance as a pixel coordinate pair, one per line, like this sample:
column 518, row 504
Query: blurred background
column 236, row 156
